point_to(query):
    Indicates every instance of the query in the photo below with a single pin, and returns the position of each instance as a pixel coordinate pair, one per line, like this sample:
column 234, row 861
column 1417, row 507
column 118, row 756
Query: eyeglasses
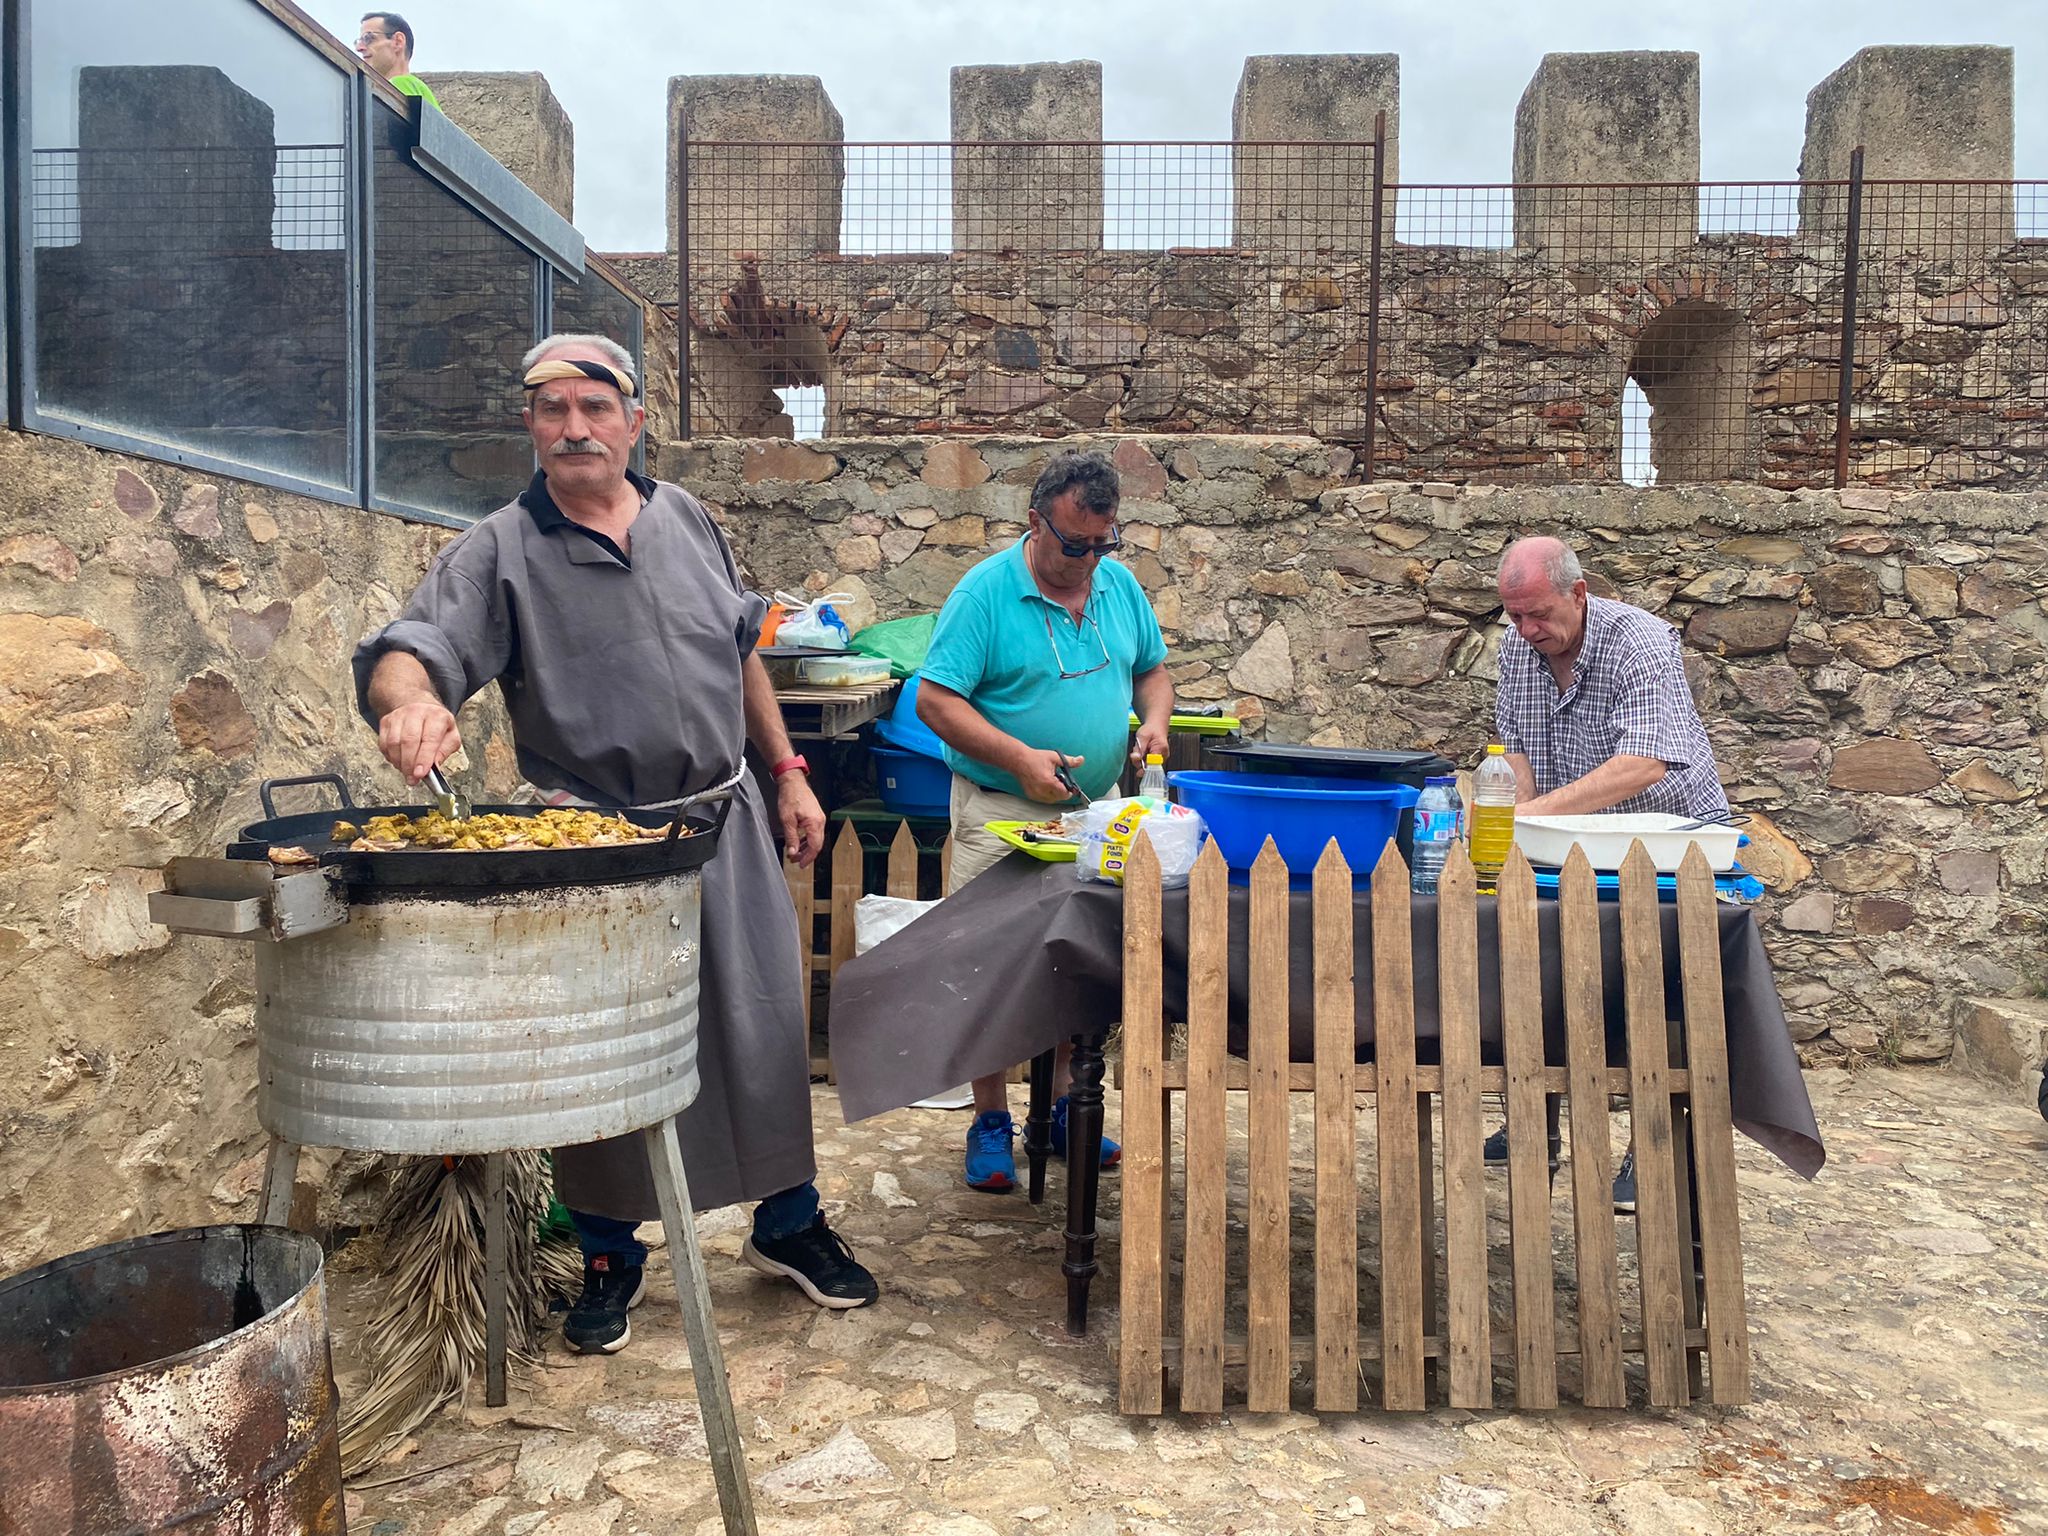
column 1075, row 550
column 372, row 37
column 1088, row 623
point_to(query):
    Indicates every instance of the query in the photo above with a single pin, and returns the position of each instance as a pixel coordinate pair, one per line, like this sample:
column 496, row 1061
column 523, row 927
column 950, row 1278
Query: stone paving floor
column 1898, row 1307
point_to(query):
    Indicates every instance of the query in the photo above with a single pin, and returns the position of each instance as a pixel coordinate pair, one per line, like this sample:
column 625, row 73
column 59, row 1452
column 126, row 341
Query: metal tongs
column 446, row 801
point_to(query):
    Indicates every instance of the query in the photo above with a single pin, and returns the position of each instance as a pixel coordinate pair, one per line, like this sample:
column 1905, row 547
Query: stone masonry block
column 1920, row 113
column 1301, row 200
column 149, row 134
column 1600, row 118
column 2005, row 1038
column 514, row 115
column 1028, row 200
column 765, row 166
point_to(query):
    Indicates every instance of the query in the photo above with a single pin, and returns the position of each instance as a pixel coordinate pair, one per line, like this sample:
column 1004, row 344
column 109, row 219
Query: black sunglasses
column 1074, row 550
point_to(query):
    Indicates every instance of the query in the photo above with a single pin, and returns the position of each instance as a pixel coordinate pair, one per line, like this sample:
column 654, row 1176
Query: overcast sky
column 1170, row 67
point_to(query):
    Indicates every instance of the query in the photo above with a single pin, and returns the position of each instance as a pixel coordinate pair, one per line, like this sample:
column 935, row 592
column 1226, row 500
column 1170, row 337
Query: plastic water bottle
column 1493, row 815
column 1438, row 817
column 1152, row 786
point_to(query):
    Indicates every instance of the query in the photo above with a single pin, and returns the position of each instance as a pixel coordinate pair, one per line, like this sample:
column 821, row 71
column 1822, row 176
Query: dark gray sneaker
column 820, row 1263
column 597, row 1324
column 1495, row 1152
column 1625, row 1184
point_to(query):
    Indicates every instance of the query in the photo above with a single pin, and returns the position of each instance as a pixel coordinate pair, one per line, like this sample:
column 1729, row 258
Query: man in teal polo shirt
column 1041, row 654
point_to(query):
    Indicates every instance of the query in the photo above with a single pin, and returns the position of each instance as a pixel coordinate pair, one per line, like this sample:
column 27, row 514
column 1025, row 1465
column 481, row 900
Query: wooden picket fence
column 1688, row 1299
column 847, row 870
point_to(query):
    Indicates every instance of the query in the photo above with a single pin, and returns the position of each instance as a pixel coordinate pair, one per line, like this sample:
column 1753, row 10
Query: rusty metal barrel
column 174, row 1382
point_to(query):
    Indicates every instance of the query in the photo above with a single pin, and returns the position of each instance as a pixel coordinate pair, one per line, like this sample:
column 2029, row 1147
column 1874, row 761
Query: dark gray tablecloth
column 1027, row 955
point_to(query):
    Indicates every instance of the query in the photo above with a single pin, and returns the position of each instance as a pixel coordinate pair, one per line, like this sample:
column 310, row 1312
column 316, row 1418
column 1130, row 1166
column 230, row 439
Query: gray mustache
column 576, row 445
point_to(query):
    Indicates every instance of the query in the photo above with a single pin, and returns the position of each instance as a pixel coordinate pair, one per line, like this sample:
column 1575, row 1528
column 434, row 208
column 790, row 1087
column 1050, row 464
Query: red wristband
column 796, row 764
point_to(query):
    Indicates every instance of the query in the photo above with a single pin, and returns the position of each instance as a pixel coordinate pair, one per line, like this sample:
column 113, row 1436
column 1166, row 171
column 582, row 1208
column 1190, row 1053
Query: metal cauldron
column 483, row 1024
column 173, row 1382
column 456, row 1003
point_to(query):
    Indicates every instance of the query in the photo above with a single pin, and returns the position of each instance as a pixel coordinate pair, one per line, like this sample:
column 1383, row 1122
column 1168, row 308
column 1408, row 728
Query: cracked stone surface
column 1898, row 1311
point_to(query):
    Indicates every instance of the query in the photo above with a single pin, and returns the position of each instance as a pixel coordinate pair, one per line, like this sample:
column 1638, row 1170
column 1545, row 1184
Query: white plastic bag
column 813, row 621
column 1108, row 827
column 876, row 918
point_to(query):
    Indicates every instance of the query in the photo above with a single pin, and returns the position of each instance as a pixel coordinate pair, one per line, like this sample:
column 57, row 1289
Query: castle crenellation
column 1026, row 278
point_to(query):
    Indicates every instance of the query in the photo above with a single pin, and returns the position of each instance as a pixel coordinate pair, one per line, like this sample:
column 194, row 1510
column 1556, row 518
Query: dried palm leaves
column 428, row 1335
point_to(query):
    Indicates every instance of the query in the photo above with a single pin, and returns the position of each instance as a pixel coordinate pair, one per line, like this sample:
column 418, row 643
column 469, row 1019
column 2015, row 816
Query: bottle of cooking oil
column 1493, row 815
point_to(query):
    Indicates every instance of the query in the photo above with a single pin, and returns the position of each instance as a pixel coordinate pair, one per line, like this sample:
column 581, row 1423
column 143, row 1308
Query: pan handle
column 270, row 811
column 721, row 797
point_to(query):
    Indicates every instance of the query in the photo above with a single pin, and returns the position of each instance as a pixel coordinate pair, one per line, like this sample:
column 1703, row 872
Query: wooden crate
column 1433, row 1300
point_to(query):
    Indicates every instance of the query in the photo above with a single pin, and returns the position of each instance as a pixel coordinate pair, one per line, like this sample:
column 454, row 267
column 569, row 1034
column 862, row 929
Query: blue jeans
column 782, row 1215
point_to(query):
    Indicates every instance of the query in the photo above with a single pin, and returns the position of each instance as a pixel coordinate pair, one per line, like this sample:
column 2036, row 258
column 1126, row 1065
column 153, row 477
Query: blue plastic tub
column 901, row 727
column 913, row 784
column 1301, row 815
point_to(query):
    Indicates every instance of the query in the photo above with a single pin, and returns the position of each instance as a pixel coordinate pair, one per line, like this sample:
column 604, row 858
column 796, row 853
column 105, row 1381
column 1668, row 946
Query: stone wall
column 1510, row 319
column 1872, row 668
column 1871, row 665
column 167, row 639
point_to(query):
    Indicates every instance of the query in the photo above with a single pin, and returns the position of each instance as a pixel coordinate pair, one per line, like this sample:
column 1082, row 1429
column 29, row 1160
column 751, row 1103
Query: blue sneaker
column 1112, row 1154
column 990, row 1164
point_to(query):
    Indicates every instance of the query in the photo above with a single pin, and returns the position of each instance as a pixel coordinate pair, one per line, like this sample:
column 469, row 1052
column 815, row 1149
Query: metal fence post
column 1372, row 298
column 1845, row 365
column 683, row 275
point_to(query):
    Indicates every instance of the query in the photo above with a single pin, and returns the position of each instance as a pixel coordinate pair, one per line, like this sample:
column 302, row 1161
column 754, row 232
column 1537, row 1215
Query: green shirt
column 1001, row 645
column 413, row 85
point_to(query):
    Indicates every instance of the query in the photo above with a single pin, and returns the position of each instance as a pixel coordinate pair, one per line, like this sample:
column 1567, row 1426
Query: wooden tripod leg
column 497, row 1279
column 707, row 1355
column 280, row 1177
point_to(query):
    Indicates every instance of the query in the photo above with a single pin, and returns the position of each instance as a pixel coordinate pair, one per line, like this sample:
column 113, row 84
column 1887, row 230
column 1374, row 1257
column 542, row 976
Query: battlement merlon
column 1919, row 113
column 1595, row 119
column 1312, row 97
column 729, row 212
column 1031, row 201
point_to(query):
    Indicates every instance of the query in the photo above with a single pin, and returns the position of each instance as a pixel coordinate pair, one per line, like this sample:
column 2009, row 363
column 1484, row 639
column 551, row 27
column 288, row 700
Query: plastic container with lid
column 841, row 671
column 1152, row 786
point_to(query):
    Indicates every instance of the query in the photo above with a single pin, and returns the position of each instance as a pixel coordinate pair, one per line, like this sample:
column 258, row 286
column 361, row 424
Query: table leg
column 1038, row 1122
column 497, row 1279
column 707, row 1355
column 1084, row 1171
column 280, row 1178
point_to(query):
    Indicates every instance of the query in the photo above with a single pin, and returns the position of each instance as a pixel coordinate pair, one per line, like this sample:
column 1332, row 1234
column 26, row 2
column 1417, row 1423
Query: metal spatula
column 446, row 801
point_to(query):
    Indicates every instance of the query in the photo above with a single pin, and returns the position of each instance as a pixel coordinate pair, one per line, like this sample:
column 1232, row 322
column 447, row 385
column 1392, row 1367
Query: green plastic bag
column 900, row 642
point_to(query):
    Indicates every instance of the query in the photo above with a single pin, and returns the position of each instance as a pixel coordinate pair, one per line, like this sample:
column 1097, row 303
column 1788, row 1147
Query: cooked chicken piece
column 292, row 857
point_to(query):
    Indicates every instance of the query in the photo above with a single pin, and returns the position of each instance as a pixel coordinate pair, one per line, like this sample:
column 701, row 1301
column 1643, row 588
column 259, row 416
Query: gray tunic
column 622, row 678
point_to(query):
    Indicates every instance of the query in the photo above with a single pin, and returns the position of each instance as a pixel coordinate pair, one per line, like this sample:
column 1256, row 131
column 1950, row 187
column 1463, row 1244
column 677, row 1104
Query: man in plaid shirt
column 1593, row 704
column 1596, row 715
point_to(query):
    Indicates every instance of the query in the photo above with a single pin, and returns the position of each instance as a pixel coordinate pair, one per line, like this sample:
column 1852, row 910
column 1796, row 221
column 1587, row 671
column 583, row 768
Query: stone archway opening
column 1694, row 364
column 763, row 367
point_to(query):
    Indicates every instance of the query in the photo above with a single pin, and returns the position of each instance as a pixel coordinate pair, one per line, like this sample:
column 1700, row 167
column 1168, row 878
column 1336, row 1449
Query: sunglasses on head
column 1075, row 549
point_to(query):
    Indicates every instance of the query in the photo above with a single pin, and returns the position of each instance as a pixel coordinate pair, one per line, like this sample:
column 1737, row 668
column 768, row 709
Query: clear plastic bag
column 1109, row 827
column 813, row 621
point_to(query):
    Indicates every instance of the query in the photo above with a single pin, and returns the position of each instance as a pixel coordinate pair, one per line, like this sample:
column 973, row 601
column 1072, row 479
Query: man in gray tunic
column 609, row 611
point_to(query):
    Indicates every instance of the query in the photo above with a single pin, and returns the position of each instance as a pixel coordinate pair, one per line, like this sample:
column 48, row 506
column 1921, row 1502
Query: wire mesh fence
column 1048, row 288
column 1667, row 332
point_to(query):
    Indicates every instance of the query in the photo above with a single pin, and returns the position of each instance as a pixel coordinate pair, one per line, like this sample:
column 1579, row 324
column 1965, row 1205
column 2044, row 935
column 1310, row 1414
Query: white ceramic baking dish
column 1550, row 839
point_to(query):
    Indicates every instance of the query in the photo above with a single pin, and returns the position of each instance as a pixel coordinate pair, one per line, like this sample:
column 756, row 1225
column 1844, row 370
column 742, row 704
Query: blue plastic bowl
column 913, row 784
column 1301, row 815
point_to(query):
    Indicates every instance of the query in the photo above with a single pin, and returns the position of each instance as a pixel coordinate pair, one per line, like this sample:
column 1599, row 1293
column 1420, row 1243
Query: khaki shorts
column 975, row 848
